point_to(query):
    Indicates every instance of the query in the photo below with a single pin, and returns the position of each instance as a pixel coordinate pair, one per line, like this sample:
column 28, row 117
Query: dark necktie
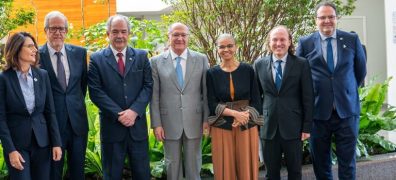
column 330, row 60
column 61, row 70
column 278, row 74
column 179, row 72
column 121, row 66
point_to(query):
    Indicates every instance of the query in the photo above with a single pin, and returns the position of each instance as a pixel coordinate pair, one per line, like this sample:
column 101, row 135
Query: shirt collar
column 323, row 37
column 115, row 52
column 52, row 51
column 19, row 73
column 283, row 59
column 182, row 55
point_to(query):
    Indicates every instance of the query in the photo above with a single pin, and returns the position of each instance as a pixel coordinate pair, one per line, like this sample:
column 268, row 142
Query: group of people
column 281, row 100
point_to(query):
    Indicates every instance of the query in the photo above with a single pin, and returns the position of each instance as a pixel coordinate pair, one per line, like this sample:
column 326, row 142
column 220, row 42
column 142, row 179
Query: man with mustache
column 120, row 84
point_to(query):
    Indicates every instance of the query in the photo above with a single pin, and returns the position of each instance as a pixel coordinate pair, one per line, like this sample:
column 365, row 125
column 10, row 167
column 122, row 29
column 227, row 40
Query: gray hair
column 54, row 14
column 115, row 17
column 225, row 36
column 172, row 26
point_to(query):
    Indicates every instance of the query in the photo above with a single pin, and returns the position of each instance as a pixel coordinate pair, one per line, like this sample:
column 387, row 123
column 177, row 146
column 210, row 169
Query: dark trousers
column 273, row 150
column 113, row 158
column 74, row 146
column 345, row 133
column 37, row 163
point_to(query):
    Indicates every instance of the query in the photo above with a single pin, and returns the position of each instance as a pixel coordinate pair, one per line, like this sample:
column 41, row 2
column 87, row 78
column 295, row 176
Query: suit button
column 124, row 84
column 126, row 97
column 331, row 77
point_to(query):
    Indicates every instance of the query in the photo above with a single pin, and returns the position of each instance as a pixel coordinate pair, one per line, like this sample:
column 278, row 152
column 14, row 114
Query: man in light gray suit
column 178, row 107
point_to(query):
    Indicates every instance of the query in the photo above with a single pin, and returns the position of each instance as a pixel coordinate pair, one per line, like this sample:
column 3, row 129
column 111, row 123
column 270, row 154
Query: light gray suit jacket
column 179, row 108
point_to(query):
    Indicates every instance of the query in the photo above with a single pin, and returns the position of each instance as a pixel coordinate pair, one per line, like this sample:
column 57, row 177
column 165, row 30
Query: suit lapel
column 46, row 61
column 129, row 60
column 288, row 66
column 168, row 64
column 17, row 87
column 72, row 65
column 340, row 48
column 318, row 48
column 269, row 73
column 36, row 82
column 110, row 59
column 190, row 66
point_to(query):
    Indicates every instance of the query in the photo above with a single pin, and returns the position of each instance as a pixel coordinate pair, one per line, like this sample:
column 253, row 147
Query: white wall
column 368, row 20
column 390, row 21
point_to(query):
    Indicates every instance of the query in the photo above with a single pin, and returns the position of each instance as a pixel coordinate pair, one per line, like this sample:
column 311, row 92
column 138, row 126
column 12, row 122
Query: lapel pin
column 130, row 59
column 35, row 79
column 344, row 46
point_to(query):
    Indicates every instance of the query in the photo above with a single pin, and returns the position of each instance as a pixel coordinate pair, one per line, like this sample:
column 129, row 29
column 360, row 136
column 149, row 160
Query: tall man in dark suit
column 285, row 84
column 120, row 84
column 67, row 68
column 338, row 67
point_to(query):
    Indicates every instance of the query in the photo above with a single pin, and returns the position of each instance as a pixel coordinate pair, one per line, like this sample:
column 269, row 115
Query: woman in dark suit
column 28, row 126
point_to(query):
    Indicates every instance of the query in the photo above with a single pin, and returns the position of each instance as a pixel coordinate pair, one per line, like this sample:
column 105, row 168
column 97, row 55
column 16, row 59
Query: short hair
column 14, row 46
column 225, row 36
column 117, row 16
column 54, row 14
column 291, row 49
column 325, row 3
column 172, row 26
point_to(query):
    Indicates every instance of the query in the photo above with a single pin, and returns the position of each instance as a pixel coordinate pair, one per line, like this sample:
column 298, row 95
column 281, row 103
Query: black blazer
column 16, row 124
column 70, row 103
column 113, row 93
column 291, row 109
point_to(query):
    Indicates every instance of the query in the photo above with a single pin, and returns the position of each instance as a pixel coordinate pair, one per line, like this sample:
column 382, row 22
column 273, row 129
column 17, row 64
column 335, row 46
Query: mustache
column 118, row 40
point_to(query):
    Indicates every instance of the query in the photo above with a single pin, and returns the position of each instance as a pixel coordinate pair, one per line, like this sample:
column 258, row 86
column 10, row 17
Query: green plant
column 372, row 120
column 146, row 34
column 3, row 166
column 93, row 163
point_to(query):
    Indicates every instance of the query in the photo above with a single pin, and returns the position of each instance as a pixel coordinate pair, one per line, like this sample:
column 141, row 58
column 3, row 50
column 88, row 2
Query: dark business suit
column 113, row 93
column 337, row 105
column 70, row 110
column 287, row 113
column 32, row 135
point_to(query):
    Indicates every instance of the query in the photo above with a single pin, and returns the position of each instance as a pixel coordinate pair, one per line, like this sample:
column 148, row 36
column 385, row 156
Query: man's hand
column 56, row 153
column 16, row 160
column 159, row 133
column 305, row 136
column 206, row 129
column 127, row 117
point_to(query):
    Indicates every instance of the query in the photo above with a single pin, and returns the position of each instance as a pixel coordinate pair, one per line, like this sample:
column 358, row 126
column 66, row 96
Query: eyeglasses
column 322, row 18
column 229, row 46
column 54, row 29
column 30, row 46
column 176, row 35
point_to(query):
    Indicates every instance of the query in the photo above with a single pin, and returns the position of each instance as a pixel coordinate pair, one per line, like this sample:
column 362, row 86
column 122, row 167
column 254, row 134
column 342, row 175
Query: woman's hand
column 16, row 160
column 240, row 118
column 56, row 153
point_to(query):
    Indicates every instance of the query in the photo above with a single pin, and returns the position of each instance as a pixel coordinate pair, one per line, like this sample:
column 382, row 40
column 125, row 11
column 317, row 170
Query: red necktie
column 121, row 66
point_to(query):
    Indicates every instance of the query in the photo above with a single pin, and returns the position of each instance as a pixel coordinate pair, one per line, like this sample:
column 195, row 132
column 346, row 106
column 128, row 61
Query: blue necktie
column 61, row 71
column 330, row 60
column 278, row 78
column 179, row 72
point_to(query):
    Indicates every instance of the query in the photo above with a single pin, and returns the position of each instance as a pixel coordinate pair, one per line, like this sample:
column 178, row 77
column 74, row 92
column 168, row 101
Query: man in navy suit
column 338, row 66
column 67, row 68
column 120, row 84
